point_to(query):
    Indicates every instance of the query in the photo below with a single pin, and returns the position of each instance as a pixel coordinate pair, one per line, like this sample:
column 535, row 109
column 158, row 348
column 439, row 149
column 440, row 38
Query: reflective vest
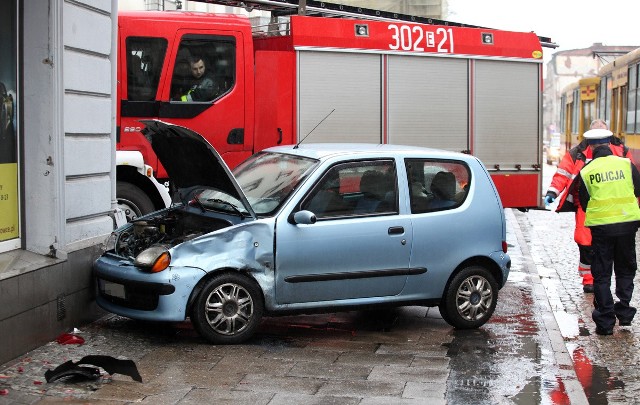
column 612, row 199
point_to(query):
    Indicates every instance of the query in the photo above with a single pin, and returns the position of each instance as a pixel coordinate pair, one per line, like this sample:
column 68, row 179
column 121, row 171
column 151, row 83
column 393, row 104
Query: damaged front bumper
column 124, row 289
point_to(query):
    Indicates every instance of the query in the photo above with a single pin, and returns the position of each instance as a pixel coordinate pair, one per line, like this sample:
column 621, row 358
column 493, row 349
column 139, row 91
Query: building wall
column 67, row 130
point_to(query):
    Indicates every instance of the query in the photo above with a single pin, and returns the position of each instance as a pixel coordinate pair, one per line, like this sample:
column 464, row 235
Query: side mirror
column 304, row 217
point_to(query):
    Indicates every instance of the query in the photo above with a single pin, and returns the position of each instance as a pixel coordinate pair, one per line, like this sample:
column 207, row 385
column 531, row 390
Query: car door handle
column 396, row 230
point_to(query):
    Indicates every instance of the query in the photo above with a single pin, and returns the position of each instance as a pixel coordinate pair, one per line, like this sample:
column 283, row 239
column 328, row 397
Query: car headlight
column 155, row 259
column 110, row 243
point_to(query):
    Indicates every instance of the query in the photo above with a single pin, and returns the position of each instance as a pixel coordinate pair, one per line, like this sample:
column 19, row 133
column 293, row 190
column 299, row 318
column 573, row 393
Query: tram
column 613, row 96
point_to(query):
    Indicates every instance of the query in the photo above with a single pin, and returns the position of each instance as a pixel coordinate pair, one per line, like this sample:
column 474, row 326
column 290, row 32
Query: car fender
column 247, row 248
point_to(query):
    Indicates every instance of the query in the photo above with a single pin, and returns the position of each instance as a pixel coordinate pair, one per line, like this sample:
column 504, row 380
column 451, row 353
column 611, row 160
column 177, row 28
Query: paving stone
column 225, row 397
column 287, row 399
column 364, row 389
column 374, row 359
column 267, row 383
column 428, row 392
column 333, row 371
column 395, row 401
column 405, row 374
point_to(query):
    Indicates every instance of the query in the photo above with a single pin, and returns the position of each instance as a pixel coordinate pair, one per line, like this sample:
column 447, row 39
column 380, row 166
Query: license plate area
column 112, row 289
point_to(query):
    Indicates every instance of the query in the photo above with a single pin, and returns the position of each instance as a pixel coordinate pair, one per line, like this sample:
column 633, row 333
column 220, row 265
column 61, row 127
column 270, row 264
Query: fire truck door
column 205, row 91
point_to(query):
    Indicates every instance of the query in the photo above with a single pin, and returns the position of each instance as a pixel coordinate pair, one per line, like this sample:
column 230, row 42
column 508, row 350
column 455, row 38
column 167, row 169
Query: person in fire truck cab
column 562, row 184
column 609, row 187
column 203, row 86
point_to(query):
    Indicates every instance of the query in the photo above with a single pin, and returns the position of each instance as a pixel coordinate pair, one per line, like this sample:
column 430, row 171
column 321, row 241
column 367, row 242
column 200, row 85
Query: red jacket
column 562, row 184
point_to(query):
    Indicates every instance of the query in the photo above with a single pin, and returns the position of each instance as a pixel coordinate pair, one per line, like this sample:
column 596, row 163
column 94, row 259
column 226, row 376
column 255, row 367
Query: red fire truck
column 365, row 75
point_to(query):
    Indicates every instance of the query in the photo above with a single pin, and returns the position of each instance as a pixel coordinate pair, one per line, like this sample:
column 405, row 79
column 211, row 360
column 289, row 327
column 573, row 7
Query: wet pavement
column 539, row 348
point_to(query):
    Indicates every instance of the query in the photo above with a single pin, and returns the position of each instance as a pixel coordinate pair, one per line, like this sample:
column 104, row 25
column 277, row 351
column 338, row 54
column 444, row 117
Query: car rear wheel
column 228, row 309
column 470, row 298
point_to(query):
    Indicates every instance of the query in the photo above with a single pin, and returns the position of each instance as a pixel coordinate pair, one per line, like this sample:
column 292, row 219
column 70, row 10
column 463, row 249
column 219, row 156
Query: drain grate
column 61, row 309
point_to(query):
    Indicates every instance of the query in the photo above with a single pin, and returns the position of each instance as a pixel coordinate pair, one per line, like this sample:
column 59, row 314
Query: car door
column 443, row 224
column 359, row 246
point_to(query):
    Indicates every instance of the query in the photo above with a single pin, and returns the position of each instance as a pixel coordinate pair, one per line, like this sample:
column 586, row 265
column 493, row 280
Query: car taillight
column 504, row 246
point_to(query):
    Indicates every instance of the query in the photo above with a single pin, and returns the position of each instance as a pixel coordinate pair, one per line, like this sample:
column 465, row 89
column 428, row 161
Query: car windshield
column 267, row 179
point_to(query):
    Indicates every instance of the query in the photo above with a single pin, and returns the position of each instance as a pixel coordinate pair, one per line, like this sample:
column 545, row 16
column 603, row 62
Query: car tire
column 133, row 201
column 228, row 309
column 470, row 298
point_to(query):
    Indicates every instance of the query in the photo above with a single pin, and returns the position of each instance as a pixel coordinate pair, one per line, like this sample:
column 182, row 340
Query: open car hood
column 191, row 161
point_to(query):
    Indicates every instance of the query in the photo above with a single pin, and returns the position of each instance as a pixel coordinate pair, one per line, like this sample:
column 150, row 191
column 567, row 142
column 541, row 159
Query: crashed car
column 307, row 228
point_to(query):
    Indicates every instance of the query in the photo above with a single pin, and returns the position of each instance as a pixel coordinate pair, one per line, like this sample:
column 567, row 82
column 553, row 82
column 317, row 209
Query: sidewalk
column 607, row 366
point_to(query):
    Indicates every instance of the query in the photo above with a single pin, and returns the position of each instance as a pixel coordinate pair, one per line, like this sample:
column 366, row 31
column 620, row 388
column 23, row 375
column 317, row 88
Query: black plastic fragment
column 110, row 364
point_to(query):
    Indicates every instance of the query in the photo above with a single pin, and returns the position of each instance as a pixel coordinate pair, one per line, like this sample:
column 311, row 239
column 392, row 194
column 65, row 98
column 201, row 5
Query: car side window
column 204, row 68
column 436, row 185
column 355, row 189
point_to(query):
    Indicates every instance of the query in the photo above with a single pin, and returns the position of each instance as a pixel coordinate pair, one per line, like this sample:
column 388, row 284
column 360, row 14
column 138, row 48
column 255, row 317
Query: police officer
column 568, row 169
column 608, row 187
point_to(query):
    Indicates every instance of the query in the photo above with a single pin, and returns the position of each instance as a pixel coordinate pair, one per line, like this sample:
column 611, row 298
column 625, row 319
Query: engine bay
column 167, row 229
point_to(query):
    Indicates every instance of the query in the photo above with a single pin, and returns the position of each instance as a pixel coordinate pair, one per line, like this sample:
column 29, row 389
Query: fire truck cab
column 321, row 79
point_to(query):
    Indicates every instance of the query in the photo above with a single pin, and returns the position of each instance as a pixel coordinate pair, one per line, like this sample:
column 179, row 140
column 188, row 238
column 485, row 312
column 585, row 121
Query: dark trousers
column 617, row 253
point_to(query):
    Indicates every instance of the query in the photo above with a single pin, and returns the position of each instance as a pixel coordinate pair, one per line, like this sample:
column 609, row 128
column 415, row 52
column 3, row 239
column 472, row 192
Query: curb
column 566, row 370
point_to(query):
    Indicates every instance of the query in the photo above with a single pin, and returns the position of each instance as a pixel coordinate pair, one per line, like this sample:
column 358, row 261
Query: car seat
column 443, row 188
column 373, row 189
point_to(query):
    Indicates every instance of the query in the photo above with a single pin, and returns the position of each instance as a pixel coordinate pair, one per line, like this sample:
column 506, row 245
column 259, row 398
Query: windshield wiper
column 227, row 203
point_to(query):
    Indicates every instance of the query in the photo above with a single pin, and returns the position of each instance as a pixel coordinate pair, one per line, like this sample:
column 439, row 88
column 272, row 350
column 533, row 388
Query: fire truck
column 323, row 72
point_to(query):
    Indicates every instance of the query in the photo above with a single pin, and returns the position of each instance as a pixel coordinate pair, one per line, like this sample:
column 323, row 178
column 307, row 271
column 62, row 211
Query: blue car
column 307, row 228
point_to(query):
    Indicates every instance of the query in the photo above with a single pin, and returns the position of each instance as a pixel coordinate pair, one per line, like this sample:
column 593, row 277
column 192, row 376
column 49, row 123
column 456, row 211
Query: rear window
column 436, row 185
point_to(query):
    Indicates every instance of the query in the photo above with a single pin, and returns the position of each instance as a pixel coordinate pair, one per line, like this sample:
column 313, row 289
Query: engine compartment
column 167, row 229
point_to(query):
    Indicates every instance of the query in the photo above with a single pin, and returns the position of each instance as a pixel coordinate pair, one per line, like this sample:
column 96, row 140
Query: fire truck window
column 436, row 185
column 204, row 69
column 145, row 57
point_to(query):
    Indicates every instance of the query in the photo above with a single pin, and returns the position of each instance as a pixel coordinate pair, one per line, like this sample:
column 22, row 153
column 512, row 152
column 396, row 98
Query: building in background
column 567, row 67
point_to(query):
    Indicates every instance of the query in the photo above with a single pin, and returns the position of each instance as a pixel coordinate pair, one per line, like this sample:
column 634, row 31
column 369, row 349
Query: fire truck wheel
column 470, row 298
column 133, row 201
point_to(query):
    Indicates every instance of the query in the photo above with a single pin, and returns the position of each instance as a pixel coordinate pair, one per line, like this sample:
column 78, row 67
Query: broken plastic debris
column 4, row 392
column 70, row 339
column 110, row 364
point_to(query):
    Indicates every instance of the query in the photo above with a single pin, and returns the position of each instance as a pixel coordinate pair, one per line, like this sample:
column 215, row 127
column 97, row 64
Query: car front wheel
column 228, row 309
column 470, row 298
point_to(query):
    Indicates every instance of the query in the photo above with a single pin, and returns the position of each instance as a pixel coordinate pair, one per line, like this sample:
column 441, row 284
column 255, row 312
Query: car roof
column 324, row 151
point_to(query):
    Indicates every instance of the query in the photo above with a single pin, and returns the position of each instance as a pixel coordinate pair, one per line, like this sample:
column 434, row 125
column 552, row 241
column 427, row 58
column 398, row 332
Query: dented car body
column 308, row 228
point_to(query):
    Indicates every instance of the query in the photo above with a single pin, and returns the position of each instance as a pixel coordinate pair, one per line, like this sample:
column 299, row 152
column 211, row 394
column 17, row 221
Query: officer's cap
column 597, row 134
